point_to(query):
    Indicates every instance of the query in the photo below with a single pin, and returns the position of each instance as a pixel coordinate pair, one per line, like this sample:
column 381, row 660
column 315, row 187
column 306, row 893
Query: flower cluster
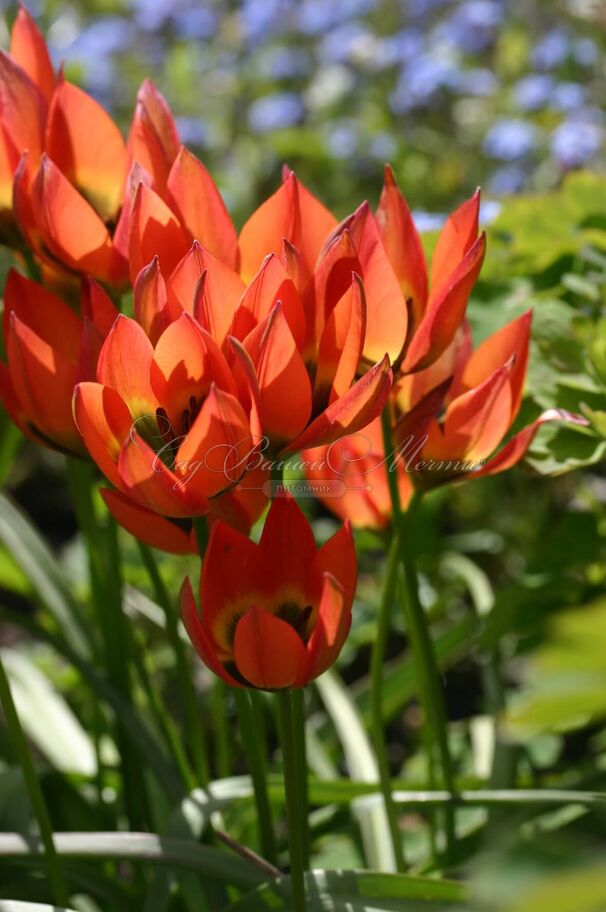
column 284, row 337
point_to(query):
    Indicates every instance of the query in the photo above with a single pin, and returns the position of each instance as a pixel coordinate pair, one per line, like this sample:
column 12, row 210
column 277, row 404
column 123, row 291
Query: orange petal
column 354, row 410
column 457, row 237
column 288, row 547
column 402, row 244
column 194, row 196
column 151, row 305
column 330, row 281
column 97, row 168
column 179, row 369
column 281, row 373
column 97, row 306
column 330, row 631
column 147, row 526
column 337, row 556
column 292, row 213
column 245, row 504
column 153, row 140
column 445, row 312
column 386, row 313
column 270, row 285
column 124, row 365
column 28, row 49
column 197, row 632
column 512, row 341
column 104, row 421
column 43, row 381
column 215, row 451
column 341, row 344
column 145, row 477
column 44, row 313
column 411, row 388
column 136, row 175
column 72, row 229
column 23, row 110
column 154, row 231
column 268, row 652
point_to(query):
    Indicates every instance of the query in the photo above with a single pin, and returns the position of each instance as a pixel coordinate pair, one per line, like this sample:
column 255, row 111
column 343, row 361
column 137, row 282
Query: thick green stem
column 294, row 811
column 188, row 694
column 428, row 673
column 376, row 699
column 258, row 771
column 220, row 724
column 298, row 722
column 39, row 808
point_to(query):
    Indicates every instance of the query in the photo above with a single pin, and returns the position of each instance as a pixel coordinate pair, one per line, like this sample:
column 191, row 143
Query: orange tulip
column 274, row 615
column 164, row 422
column 409, row 318
column 480, row 402
column 49, row 348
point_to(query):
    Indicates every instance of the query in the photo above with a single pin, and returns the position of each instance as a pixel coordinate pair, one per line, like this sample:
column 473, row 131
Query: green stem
column 296, row 841
column 55, row 873
column 220, row 725
column 430, row 686
column 376, row 699
column 298, row 722
column 258, row 771
column 188, row 693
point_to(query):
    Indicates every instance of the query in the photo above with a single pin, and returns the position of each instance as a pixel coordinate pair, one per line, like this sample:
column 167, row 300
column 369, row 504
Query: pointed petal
column 136, row 175
column 195, row 198
column 270, row 285
column 457, row 237
column 154, row 231
column 516, row 448
column 151, row 305
column 353, row 411
column 281, row 373
column 22, row 110
column 330, row 631
column 341, row 344
column 197, row 632
column 104, row 421
column 337, row 556
column 28, row 49
column 402, row 244
column 125, row 363
column 292, row 213
column 445, row 312
column 330, row 281
column 96, row 168
column 288, row 547
column 43, row 312
column 148, row 527
column 215, row 451
column 153, row 139
column 267, row 651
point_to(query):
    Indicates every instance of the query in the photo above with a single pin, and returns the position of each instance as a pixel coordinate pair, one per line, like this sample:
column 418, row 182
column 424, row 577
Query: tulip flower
column 49, row 349
column 163, row 422
column 479, row 404
column 411, row 318
column 274, row 615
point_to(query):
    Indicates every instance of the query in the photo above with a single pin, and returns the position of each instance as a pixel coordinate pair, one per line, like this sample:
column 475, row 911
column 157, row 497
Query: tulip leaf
column 353, row 891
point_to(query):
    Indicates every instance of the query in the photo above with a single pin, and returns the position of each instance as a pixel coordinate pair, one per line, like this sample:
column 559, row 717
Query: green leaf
column 140, row 847
column 33, row 555
column 14, row 905
column 582, row 890
column 353, row 891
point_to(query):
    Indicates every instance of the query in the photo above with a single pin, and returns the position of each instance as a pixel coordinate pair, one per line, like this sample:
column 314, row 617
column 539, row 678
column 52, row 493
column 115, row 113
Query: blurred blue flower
column 400, row 48
column 316, row 16
column 383, row 146
column 422, row 80
column 259, row 20
column 489, row 210
column 272, row 112
column 152, row 14
column 533, row 92
column 576, row 141
column 551, row 50
column 508, row 179
column 418, row 9
column 585, row 51
column 479, row 82
column 568, row 96
column 195, row 23
column 102, row 37
column 340, row 44
column 427, row 221
column 343, row 139
column 510, row 139
column 472, row 27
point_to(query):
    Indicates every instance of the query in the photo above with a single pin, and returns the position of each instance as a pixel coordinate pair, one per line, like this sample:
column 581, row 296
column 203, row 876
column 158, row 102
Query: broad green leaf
column 46, row 717
column 140, row 847
column 353, row 891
